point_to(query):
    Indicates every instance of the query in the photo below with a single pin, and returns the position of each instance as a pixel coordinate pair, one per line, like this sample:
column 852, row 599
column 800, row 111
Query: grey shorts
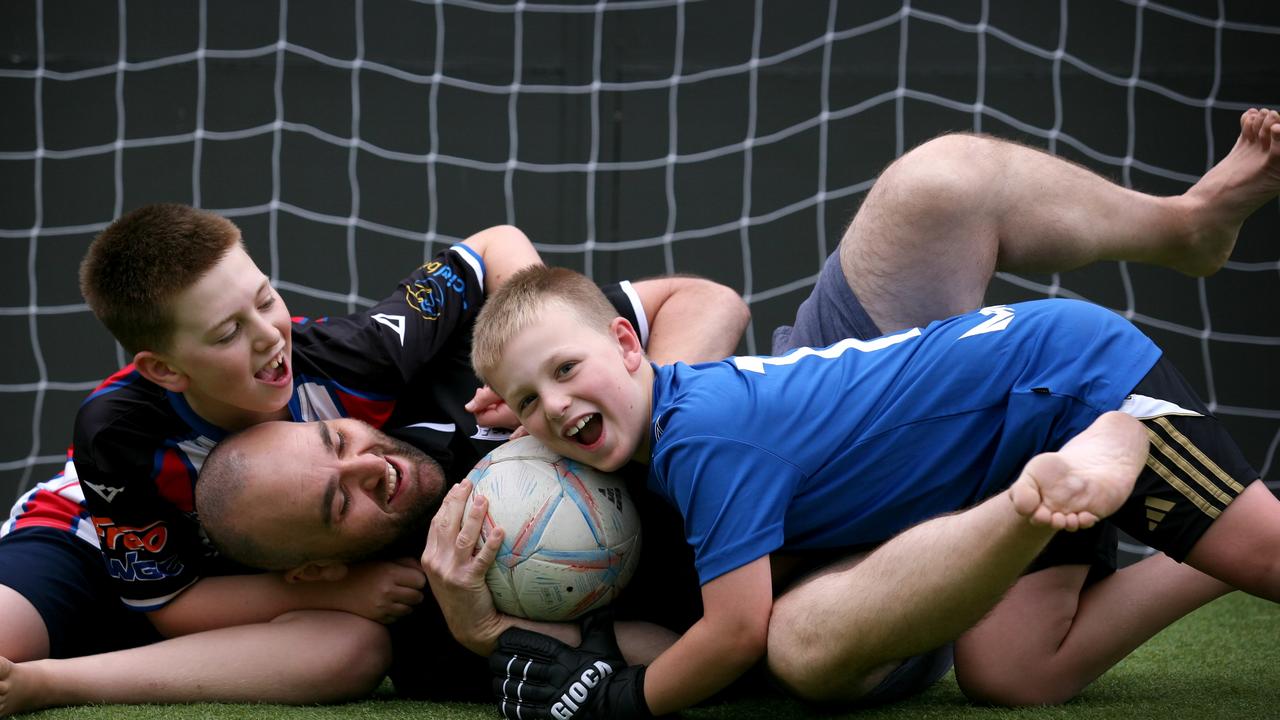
column 830, row 314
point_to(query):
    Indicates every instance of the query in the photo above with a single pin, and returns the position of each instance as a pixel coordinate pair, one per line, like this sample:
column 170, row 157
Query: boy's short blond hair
column 136, row 267
column 525, row 298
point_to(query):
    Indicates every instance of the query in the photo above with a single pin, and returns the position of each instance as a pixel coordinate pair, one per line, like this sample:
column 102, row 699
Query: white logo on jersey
column 395, row 322
column 1001, row 316
column 107, row 493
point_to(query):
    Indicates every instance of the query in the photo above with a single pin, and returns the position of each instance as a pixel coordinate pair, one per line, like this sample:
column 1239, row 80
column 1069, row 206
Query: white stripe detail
column 438, row 427
column 197, row 450
column 492, row 434
column 156, row 603
column 638, row 308
column 757, row 363
column 66, row 487
column 1145, row 408
column 476, row 266
column 315, row 403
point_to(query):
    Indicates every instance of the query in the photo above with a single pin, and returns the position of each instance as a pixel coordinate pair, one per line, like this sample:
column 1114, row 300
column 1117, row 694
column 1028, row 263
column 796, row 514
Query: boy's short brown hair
column 524, row 299
column 133, row 270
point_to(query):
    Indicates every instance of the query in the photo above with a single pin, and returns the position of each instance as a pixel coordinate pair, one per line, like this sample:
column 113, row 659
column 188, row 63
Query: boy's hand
column 491, row 411
column 382, row 591
column 537, row 676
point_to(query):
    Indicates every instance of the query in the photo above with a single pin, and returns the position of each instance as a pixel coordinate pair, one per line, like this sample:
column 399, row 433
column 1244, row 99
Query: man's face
column 574, row 388
column 232, row 342
column 335, row 489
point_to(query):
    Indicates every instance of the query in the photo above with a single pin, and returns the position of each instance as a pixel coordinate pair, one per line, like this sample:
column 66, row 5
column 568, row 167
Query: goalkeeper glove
column 537, row 677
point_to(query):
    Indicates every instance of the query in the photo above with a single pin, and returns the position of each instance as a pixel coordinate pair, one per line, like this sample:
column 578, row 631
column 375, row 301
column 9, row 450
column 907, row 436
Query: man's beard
column 409, row 537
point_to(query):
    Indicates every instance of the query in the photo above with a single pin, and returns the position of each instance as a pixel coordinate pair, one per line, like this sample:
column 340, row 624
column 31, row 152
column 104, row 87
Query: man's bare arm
column 691, row 319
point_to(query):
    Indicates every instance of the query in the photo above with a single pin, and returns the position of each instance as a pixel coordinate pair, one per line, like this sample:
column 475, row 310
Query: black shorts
column 65, row 580
column 1193, row 472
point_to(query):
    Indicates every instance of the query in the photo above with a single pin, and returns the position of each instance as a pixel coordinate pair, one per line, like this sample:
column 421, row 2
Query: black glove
column 537, row 677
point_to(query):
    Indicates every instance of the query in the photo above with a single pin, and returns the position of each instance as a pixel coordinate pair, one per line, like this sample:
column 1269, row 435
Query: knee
column 355, row 657
column 995, row 684
column 810, row 670
column 950, row 170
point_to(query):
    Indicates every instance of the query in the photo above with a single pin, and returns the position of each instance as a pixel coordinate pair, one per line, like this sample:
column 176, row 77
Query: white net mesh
column 727, row 138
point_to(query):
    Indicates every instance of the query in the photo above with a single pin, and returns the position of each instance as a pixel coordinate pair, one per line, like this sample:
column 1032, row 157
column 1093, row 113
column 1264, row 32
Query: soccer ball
column 572, row 534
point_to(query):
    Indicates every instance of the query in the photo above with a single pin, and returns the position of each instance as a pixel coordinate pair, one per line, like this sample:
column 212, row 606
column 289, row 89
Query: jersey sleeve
column 626, row 301
column 733, row 496
column 431, row 312
column 138, row 490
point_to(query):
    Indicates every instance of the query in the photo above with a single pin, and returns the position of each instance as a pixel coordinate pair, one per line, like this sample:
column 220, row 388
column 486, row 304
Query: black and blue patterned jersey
column 853, row 443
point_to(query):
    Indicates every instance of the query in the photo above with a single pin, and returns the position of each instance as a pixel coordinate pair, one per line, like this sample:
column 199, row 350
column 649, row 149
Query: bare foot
column 20, row 688
column 1219, row 203
column 1086, row 480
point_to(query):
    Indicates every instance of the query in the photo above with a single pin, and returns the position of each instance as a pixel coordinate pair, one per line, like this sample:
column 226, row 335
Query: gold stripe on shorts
column 1183, row 476
column 1182, row 487
column 1199, row 455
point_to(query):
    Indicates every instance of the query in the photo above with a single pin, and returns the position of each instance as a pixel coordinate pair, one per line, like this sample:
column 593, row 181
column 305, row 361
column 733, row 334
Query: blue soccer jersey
column 855, row 442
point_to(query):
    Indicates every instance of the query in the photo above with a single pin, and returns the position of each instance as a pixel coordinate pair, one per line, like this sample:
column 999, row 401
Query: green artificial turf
column 1222, row 661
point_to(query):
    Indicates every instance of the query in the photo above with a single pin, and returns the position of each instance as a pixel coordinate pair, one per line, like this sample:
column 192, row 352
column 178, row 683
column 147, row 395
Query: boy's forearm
column 726, row 642
column 700, row 664
column 231, row 600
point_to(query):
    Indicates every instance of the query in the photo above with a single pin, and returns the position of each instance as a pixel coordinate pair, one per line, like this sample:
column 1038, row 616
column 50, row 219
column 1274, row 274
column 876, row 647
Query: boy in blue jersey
column 841, row 447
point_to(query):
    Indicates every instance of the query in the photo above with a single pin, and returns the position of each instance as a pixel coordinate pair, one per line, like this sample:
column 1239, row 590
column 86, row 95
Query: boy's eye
column 229, row 336
column 266, row 304
column 525, row 402
column 342, row 444
column 565, row 368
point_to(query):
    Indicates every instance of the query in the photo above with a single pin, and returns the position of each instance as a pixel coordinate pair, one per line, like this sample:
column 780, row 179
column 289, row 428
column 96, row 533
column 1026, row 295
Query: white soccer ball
column 572, row 534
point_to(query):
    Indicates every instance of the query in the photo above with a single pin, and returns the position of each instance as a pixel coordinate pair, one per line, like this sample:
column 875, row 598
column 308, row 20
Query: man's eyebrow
column 326, row 510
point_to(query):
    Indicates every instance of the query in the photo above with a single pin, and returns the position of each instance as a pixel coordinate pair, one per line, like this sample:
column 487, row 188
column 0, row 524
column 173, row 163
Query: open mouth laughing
column 275, row 371
column 587, row 430
column 393, row 481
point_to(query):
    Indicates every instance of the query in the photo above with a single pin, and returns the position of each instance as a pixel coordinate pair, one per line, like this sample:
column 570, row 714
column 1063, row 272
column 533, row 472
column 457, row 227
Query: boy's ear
column 160, row 371
column 322, row 570
column 628, row 342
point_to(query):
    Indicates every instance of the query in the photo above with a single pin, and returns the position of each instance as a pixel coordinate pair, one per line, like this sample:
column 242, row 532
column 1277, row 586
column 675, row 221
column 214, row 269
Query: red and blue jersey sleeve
column 137, row 462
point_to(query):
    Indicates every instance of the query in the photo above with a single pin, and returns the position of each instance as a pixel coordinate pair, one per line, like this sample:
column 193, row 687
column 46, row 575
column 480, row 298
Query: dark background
column 728, row 138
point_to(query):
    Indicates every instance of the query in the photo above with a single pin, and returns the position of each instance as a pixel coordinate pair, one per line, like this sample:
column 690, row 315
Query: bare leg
column 1242, row 547
column 838, row 633
column 23, row 635
column 1046, row 640
column 301, row 657
column 945, row 216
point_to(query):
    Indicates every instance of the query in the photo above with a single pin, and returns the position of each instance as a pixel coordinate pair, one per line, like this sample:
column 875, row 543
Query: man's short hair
column 223, row 476
column 133, row 270
column 524, row 299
